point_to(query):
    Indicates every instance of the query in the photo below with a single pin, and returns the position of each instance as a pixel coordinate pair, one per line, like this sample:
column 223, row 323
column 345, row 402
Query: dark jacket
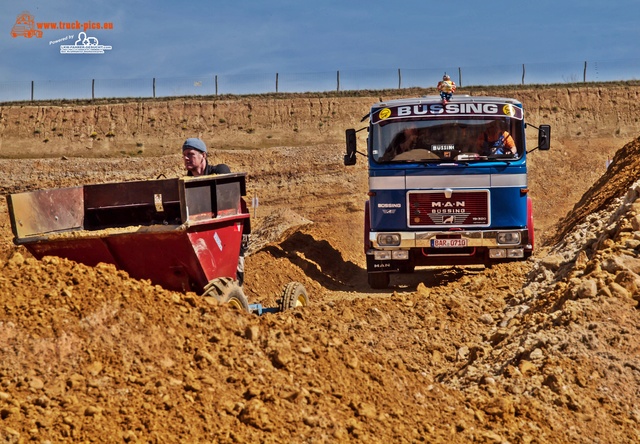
column 221, row 168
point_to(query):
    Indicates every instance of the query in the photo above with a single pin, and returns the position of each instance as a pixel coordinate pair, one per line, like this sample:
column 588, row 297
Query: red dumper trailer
column 182, row 234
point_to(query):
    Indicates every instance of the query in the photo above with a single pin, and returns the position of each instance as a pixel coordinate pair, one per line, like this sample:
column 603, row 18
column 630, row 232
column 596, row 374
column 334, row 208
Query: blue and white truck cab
column 447, row 183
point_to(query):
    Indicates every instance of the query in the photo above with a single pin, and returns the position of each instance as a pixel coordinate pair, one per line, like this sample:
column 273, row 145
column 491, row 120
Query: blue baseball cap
column 194, row 143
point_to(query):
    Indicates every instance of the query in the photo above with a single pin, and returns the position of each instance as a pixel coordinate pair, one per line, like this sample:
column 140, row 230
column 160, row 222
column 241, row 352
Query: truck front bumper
column 425, row 239
column 393, row 251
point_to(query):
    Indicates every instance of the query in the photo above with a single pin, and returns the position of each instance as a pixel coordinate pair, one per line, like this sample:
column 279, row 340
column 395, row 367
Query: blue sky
column 167, row 38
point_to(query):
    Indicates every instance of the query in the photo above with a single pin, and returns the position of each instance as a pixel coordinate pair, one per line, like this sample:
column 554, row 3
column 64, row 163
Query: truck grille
column 461, row 208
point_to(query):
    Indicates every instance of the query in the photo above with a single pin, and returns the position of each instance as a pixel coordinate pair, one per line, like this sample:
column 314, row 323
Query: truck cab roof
column 438, row 99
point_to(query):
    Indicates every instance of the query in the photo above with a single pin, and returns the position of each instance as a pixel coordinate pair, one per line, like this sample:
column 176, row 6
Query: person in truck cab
column 497, row 140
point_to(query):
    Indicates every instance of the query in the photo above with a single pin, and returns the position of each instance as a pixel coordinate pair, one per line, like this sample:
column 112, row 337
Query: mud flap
column 530, row 227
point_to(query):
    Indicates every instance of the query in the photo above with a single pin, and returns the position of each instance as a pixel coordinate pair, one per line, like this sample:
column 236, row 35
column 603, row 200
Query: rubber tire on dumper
column 293, row 295
column 227, row 291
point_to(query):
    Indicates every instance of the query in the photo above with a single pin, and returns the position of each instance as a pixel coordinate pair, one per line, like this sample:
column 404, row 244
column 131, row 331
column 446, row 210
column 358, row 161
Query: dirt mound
column 539, row 351
column 274, row 228
column 621, row 174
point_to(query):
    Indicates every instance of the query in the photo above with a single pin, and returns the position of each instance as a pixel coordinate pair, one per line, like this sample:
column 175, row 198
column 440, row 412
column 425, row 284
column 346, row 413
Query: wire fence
column 349, row 80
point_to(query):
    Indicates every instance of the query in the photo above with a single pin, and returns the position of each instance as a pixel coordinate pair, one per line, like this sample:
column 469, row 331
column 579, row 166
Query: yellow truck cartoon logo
column 25, row 26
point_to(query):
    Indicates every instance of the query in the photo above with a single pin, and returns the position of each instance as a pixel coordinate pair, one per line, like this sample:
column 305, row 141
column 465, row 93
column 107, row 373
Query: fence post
column 93, row 89
column 399, row 79
column 523, row 71
column 154, row 87
column 32, row 90
column 459, row 76
column 216, row 79
column 276, row 82
column 338, row 78
column 584, row 74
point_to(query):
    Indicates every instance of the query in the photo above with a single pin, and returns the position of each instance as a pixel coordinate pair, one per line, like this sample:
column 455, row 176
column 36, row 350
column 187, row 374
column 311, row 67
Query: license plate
column 449, row 243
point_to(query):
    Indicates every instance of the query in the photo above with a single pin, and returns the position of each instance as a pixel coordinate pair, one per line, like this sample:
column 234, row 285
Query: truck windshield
column 446, row 140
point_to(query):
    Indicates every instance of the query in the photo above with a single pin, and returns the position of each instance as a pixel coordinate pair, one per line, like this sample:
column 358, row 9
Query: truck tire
column 293, row 295
column 227, row 291
column 407, row 268
column 378, row 280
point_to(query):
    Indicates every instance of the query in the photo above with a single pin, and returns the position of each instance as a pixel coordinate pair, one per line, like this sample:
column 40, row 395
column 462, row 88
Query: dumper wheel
column 293, row 295
column 227, row 291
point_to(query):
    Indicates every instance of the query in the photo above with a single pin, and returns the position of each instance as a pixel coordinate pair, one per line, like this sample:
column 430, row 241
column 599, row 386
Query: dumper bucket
column 178, row 233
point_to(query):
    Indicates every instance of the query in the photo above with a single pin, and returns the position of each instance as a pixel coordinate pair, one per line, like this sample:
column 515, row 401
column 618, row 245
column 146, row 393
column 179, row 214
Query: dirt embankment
column 589, row 122
column 156, row 127
column 539, row 351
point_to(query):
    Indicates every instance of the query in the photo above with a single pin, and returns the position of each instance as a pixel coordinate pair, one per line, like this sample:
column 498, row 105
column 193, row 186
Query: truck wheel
column 293, row 295
column 227, row 291
column 378, row 280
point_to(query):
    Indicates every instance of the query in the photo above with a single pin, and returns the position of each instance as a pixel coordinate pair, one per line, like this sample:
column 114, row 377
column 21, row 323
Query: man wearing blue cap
column 194, row 154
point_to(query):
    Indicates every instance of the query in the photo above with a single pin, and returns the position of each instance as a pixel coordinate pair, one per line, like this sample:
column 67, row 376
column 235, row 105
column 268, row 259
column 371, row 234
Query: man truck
column 447, row 183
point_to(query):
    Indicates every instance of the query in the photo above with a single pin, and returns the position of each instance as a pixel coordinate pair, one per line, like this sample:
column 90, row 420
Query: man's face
column 193, row 159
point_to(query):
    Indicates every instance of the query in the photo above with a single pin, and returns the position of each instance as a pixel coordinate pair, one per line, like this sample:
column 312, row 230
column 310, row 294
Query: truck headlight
column 382, row 255
column 388, row 239
column 401, row 255
column 508, row 238
column 515, row 253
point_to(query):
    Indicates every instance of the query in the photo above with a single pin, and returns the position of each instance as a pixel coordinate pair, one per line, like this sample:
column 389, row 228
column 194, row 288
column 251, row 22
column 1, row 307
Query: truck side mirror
column 544, row 137
column 350, row 157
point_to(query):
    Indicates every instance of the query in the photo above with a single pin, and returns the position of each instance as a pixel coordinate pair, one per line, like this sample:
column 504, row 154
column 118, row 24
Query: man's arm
column 510, row 143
